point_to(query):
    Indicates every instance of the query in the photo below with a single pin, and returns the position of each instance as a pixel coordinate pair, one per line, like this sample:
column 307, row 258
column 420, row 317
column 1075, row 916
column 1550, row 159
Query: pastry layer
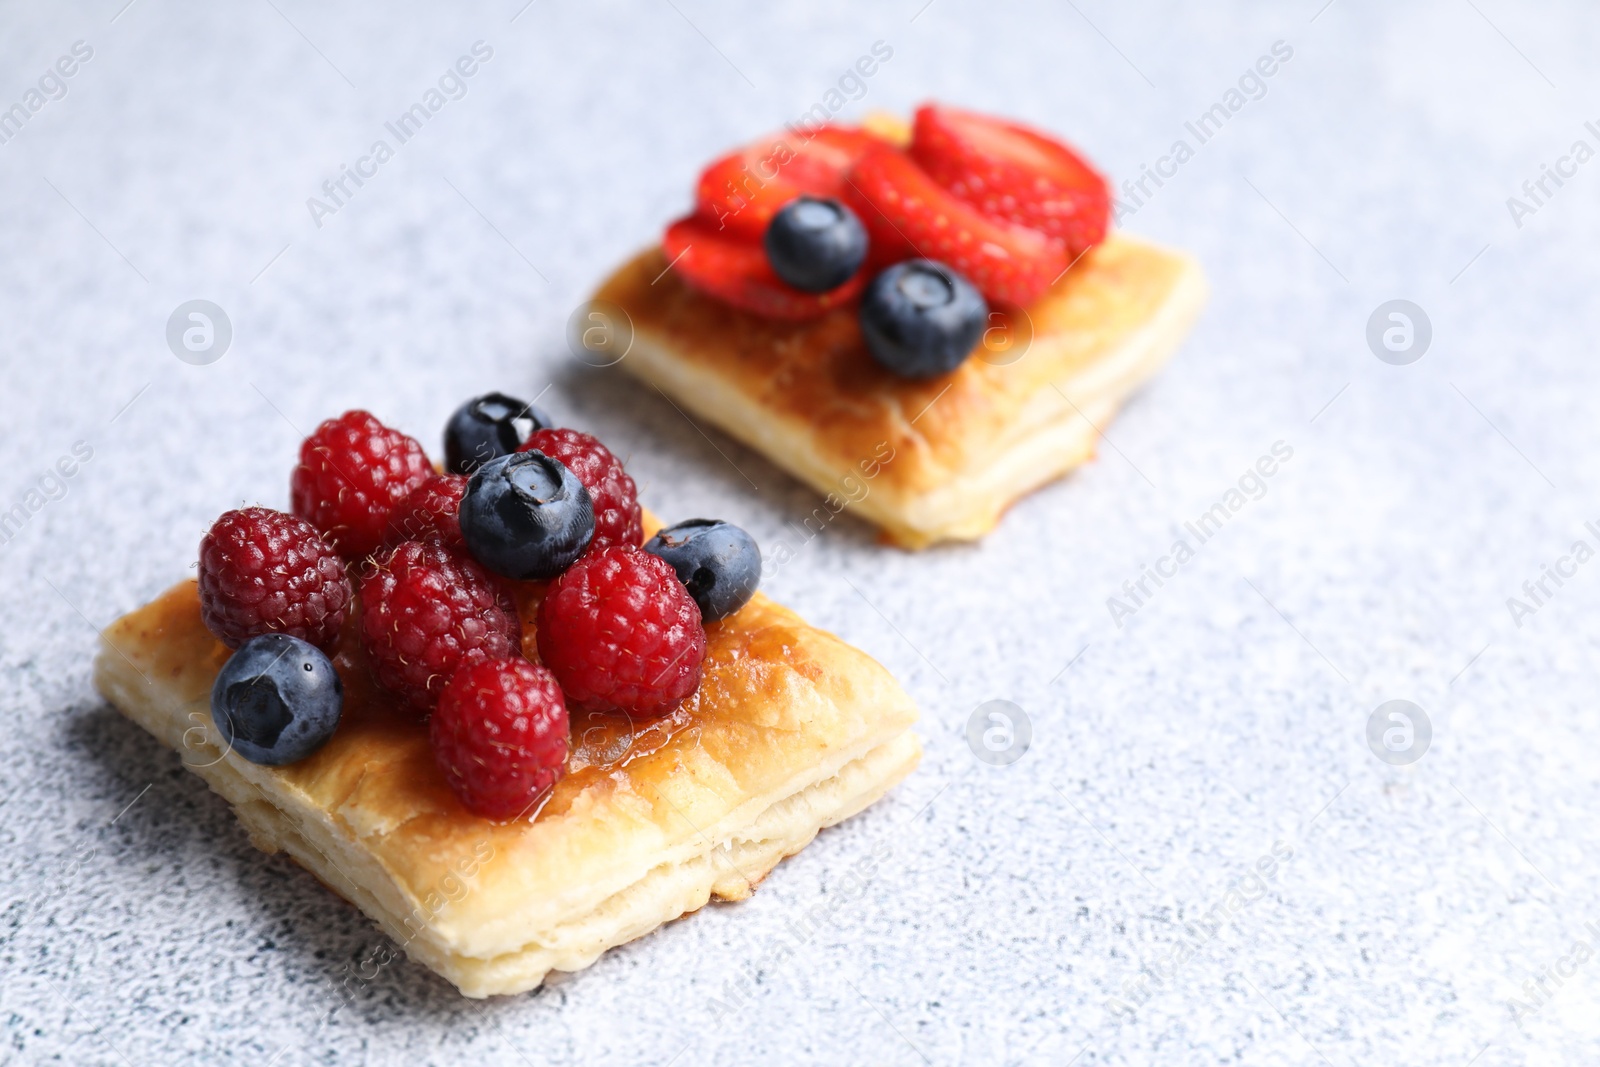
column 929, row 460
column 790, row 731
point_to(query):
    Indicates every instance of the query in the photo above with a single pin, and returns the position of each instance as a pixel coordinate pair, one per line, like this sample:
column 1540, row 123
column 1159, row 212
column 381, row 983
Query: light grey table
column 1102, row 897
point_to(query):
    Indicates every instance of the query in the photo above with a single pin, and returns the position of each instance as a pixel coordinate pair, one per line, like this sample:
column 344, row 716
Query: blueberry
column 815, row 245
column 921, row 319
column 488, row 426
column 716, row 561
column 526, row 516
column 276, row 700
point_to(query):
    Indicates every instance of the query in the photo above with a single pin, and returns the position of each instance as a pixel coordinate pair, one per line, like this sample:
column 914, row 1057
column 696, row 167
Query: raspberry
column 426, row 611
column 500, row 736
column 620, row 631
column 262, row 571
column 616, row 498
column 429, row 513
column 353, row 471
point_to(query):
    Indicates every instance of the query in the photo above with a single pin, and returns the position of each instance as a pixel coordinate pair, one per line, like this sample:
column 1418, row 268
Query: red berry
column 429, row 513
column 262, row 571
column 425, row 612
column 353, row 471
column 738, row 194
column 907, row 214
column 736, row 271
column 1013, row 174
column 500, row 736
column 620, row 631
column 616, row 499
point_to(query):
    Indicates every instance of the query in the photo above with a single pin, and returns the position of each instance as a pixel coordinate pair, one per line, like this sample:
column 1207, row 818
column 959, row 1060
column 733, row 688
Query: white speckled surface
column 1013, row 902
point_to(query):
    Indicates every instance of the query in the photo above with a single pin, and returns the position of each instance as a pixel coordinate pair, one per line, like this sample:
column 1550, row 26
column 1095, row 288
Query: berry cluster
column 975, row 209
column 432, row 561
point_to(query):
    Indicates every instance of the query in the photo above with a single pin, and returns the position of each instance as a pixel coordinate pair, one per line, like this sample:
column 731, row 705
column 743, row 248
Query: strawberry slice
column 736, row 271
column 740, row 192
column 1014, row 174
column 907, row 213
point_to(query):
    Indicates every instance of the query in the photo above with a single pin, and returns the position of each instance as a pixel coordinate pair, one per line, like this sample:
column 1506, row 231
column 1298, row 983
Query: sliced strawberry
column 736, row 271
column 1012, row 173
column 907, row 213
column 740, row 192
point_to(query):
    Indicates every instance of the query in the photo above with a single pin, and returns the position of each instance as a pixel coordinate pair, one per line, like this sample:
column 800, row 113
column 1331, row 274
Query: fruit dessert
column 499, row 707
column 938, row 310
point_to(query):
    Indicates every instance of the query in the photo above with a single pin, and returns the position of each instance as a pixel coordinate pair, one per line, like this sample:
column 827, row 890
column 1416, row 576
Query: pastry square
column 931, row 460
column 790, row 731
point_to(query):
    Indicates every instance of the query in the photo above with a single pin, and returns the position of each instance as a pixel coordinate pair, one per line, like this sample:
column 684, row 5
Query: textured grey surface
column 1003, row 907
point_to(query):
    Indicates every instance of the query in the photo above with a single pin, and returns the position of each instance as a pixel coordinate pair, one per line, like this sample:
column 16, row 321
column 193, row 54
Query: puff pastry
column 790, row 731
column 930, row 460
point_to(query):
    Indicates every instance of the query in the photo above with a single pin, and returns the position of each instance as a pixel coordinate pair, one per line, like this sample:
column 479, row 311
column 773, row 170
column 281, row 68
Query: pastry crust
column 790, row 731
column 960, row 448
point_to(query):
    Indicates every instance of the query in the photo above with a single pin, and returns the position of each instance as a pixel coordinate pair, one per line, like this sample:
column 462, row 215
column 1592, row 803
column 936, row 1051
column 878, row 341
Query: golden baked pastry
column 926, row 460
column 790, row 731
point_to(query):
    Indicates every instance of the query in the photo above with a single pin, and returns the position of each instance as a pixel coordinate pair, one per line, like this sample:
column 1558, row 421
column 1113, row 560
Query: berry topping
column 921, row 319
column 736, row 271
column 262, row 571
column 621, row 632
column 717, row 562
column 500, row 736
column 739, row 194
column 276, row 700
column 429, row 513
column 907, row 213
column 353, row 471
column 486, row 427
column 612, row 492
column 1014, row 174
column 526, row 516
column 426, row 611
column 815, row 245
